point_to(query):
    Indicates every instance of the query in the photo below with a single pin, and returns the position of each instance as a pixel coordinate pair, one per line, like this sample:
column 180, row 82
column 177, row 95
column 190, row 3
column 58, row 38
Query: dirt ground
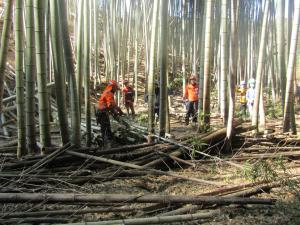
column 285, row 211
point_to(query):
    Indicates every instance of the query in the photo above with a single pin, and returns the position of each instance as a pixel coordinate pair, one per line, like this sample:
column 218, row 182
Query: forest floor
column 267, row 166
column 286, row 211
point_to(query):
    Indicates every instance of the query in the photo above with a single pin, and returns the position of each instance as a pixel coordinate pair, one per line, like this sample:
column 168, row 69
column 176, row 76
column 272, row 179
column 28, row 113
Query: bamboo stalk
column 39, row 22
column 30, row 77
column 67, row 212
column 74, row 100
column 20, row 100
column 7, row 20
column 133, row 166
column 59, row 72
column 122, row 198
column 154, row 220
column 48, row 158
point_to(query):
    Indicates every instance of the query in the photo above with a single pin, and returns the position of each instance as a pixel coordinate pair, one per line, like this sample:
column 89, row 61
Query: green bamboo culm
column 4, row 45
column 59, row 73
column 163, row 67
column 40, row 51
column 79, row 48
column 20, row 101
column 30, row 77
column 86, row 72
column 74, row 102
column 151, row 76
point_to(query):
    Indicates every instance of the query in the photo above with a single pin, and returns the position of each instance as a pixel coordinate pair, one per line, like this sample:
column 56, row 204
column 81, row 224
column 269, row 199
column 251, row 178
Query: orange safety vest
column 107, row 100
column 191, row 92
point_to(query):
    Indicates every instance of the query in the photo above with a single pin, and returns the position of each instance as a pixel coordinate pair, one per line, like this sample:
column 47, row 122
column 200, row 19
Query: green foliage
column 203, row 126
column 273, row 110
column 197, row 144
column 176, row 83
column 241, row 114
column 263, row 170
column 142, row 118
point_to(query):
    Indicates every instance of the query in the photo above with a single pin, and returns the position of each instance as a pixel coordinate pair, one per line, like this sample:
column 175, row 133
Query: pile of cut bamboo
column 64, row 183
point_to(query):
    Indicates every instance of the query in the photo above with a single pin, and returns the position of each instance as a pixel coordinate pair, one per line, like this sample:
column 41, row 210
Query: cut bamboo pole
column 125, row 198
column 133, row 166
column 154, row 220
column 67, row 212
column 48, row 158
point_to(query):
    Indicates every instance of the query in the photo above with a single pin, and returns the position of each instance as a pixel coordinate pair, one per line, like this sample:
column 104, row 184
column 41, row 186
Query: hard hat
column 113, row 83
column 193, row 77
column 243, row 82
column 251, row 81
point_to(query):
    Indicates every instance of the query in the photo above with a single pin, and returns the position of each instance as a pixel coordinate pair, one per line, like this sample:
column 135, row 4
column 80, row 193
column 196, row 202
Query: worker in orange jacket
column 191, row 99
column 128, row 97
column 106, row 106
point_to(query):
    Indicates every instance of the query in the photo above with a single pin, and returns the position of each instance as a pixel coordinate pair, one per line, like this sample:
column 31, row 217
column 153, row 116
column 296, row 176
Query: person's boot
column 187, row 120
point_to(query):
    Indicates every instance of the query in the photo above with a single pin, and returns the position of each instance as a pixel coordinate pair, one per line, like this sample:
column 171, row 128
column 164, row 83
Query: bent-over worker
column 106, row 106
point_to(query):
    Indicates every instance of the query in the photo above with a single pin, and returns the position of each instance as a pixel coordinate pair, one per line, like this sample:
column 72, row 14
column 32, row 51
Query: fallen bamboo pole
column 9, row 144
column 153, row 220
column 267, row 148
column 199, row 152
column 266, row 155
column 33, row 220
column 133, row 166
column 13, row 97
column 48, row 158
column 67, row 212
column 242, row 193
column 125, row 198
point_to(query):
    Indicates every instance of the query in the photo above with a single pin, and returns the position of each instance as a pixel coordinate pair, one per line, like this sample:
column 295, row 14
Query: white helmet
column 251, row 81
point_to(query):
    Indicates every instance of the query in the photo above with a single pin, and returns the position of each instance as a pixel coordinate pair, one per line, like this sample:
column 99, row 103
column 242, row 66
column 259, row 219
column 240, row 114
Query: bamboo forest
column 150, row 112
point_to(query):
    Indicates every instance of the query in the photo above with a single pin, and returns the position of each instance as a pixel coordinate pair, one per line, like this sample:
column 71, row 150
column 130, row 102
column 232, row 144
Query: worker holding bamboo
column 107, row 106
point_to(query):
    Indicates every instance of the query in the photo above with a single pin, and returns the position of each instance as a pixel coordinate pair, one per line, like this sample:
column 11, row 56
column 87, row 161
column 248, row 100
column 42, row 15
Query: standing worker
column 106, row 106
column 128, row 98
column 156, row 101
column 250, row 96
column 191, row 97
column 243, row 101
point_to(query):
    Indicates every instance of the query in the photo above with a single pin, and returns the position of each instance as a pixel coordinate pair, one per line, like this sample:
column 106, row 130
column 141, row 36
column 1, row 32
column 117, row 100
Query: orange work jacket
column 107, row 99
column 191, row 92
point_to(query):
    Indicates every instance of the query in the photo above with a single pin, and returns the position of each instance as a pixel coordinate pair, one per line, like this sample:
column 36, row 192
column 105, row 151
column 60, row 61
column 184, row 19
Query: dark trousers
column 103, row 119
column 243, row 108
column 129, row 105
column 192, row 108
